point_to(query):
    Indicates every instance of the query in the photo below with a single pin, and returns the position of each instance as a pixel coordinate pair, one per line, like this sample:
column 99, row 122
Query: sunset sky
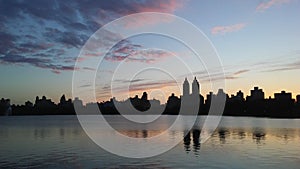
column 257, row 41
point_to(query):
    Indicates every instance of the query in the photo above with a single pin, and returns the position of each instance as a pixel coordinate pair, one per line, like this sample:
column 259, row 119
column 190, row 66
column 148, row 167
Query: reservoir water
column 238, row 142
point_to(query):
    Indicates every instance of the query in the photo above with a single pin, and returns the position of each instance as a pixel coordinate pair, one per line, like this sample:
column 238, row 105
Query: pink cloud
column 265, row 5
column 117, row 58
column 146, row 20
column 166, row 6
column 225, row 29
column 124, row 49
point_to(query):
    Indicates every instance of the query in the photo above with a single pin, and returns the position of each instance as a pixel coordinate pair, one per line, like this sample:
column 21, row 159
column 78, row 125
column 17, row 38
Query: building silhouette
column 173, row 105
column 195, row 87
column 256, row 94
column 298, row 99
column 186, row 88
column 5, row 108
column 239, row 96
column 189, row 103
column 283, row 96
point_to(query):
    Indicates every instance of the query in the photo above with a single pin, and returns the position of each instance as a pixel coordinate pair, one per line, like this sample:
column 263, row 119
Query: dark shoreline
column 262, row 117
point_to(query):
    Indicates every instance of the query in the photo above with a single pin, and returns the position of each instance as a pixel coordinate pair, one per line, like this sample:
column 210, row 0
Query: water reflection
column 41, row 133
column 241, row 134
column 223, row 133
column 196, row 141
column 139, row 133
column 62, row 132
column 187, row 141
column 52, row 143
column 258, row 135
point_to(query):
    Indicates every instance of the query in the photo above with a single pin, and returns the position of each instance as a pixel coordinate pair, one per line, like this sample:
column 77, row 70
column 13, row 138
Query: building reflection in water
column 187, row 141
column 140, row 133
column 258, row 135
column 241, row 134
column 191, row 140
column 195, row 134
column 223, row 133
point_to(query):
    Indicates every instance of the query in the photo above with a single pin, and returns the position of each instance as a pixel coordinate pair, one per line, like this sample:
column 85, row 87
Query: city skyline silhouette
column 281, row 105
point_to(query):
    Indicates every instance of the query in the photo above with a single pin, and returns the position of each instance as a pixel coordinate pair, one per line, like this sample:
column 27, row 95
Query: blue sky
column 257, row 41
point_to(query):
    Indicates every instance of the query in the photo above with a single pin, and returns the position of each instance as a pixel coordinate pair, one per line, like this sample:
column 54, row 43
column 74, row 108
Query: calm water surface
column 238, row 142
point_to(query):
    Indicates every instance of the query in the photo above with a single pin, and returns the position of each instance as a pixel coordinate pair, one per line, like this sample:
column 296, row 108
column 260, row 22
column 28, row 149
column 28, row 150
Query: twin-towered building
column 195, row 88
column 191, row 102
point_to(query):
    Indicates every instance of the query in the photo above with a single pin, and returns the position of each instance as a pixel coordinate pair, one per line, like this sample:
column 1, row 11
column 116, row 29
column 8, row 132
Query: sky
column 257, row 42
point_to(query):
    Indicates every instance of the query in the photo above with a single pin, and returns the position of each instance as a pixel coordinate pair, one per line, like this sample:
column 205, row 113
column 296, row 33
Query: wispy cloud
column 140, row 86
column 283, row 67
column 227, row 75
column 136, row 53
column 129, row 81
column 216, row 75
column 151, row 85
column 241, row 71
column 226, row 29
column 285, row 62
column 266, row 5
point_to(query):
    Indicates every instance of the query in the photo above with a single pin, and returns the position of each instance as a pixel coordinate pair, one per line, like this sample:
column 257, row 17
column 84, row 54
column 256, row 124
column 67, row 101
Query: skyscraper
column 186, row 88
column 195, row 87
column 190, row 102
